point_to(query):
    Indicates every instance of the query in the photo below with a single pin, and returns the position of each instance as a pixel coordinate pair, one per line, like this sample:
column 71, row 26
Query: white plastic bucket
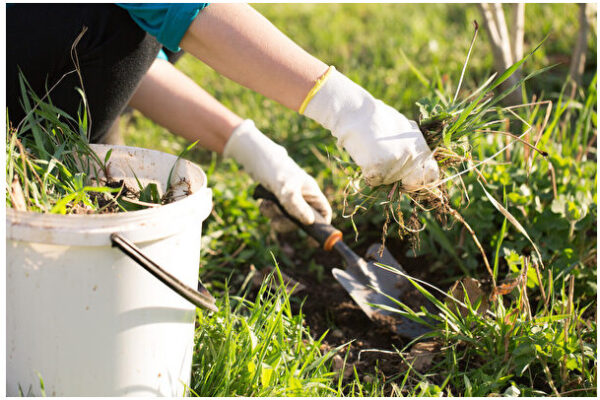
column 86, row 318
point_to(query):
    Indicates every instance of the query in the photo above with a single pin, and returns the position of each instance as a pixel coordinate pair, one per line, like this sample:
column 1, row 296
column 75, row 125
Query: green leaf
column 572, row 363
column 266, row 375
column 107, row 156
column 503, row 77
column 188, row 148
column 294, row 384
column 468, row 386
column 150, row 194
column 61, row 206
column 415, row 71
column 511, row 70
column 251, row 367
column 130, row 204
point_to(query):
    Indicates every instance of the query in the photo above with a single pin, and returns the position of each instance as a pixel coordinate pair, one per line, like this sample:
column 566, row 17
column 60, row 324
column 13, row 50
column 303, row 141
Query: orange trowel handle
column 325, row 234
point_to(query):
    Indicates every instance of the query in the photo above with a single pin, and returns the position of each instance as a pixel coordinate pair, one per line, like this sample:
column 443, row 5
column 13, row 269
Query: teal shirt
column 167, row 22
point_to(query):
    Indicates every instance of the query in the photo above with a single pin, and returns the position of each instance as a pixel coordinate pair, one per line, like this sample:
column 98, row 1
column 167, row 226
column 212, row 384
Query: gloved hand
column 384, row 143
column 269, row 164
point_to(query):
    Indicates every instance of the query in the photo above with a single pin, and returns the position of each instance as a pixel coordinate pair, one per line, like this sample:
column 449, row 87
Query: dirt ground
column 328, row 306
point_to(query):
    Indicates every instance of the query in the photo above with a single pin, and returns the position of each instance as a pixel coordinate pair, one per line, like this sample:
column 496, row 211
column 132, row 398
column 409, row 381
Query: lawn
column 538, row 339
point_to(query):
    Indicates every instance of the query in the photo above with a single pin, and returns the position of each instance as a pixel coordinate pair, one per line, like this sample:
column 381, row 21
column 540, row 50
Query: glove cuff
column 337, row 101
column 320, row 82
column 246, row 141
column 258, row 154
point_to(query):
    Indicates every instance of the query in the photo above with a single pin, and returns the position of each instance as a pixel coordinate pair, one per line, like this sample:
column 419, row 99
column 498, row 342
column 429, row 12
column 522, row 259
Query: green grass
column 259, row 348
column 532, row 348
column 50, row 164
column 554, row 199
column 51, row 167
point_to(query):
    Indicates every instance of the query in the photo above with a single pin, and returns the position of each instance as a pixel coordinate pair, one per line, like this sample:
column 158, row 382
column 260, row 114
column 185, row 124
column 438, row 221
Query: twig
column 459, row 218
column 541, row 284
column 524, row 290
column 493, row 33
column 525, row 142
column 233, row 255
column 582, row 349
column 541, row 130
column 569, row 311
column 498, row 14
column 578, row 390
column 75, row 60
column 220, row 220
column 548, row 375
column 553, row 177
column 495, row 25
column 587, row 147
column 551, row 285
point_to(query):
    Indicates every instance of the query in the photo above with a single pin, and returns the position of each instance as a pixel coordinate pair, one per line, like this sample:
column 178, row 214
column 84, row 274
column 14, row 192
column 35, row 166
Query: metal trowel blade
column 384, row 285
column 368, row 299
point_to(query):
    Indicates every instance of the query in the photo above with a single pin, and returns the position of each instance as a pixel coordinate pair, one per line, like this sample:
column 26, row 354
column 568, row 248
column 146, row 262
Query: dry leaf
column 506, row 287
column 474, row 291
column 421, row 355
column 16, row 195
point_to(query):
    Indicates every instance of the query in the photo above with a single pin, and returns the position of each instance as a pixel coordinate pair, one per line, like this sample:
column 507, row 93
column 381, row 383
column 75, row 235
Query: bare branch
column 494, row 35
column 578, row 59
column 498, row 13
column 517, row 30
column 495, row 25
column 490, row 24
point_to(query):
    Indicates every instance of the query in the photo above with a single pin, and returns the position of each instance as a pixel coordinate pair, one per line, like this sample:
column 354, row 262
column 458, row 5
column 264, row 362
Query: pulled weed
column 50, row 163
column 52, row 168
column 450, row 128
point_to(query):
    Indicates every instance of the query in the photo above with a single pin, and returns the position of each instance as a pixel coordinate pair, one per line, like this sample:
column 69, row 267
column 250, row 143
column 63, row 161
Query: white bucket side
column 87, row 318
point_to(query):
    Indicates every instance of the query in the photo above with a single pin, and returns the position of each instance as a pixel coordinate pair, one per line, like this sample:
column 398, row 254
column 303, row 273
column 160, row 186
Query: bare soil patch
column 372, row 345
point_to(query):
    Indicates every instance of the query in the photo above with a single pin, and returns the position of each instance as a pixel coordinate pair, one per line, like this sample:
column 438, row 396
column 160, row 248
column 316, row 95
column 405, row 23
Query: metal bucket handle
column 200, row 298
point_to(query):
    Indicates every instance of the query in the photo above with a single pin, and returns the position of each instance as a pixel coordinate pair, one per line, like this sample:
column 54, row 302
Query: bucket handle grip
column 200, row 298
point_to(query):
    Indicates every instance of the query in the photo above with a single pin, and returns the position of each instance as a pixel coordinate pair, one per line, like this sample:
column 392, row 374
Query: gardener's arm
column 174, row 101
column 241, row 44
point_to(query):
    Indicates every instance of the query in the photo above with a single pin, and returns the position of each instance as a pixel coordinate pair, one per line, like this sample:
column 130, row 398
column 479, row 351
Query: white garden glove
column 384, row 143
column 269, row 164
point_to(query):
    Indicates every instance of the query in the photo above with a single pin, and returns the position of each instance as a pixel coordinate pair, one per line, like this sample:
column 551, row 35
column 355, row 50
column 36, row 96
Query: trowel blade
column 391, row 283
column 368, row 299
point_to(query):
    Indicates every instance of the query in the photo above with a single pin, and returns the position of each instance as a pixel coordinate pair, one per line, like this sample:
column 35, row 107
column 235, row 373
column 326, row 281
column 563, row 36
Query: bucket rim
column 94, row 229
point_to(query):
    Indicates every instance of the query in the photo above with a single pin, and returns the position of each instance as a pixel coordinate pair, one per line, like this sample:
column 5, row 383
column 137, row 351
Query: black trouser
column 114, row 54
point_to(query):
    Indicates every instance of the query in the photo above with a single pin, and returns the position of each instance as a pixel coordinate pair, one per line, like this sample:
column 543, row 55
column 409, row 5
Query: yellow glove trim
column 315, row 89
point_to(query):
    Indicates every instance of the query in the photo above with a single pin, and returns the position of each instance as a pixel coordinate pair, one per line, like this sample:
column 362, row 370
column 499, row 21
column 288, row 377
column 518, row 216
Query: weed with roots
column 52, row 168
column 449, row 127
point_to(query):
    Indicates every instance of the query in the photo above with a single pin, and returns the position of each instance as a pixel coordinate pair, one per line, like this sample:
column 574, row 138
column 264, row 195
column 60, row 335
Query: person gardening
column 117, row 56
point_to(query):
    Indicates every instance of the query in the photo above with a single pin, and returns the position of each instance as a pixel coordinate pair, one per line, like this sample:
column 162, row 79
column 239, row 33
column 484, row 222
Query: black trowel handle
column 325, row 234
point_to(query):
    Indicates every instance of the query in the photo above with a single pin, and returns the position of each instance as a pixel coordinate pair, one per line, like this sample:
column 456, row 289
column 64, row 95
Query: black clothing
column 114, row 54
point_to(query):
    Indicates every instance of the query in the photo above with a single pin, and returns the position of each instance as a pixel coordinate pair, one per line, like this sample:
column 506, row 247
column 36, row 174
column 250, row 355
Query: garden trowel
column 368, row 284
